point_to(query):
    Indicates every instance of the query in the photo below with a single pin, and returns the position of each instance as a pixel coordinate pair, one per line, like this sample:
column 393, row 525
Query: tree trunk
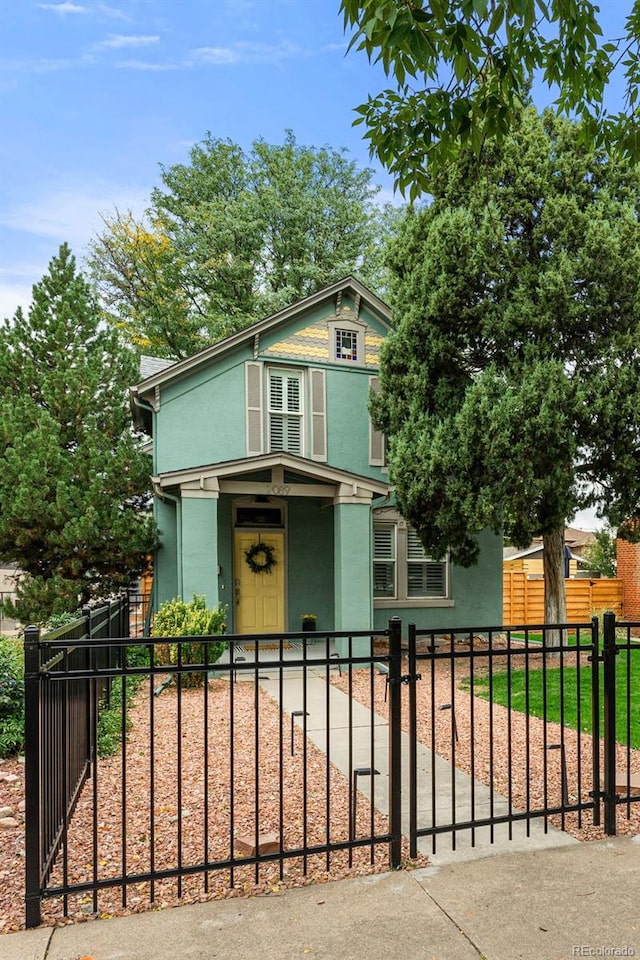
column 555, row 597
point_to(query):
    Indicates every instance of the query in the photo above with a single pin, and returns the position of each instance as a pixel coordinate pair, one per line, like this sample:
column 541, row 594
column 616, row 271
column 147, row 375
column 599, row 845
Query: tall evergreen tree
column 233, row 236
column 73, row 479
column 510, row 389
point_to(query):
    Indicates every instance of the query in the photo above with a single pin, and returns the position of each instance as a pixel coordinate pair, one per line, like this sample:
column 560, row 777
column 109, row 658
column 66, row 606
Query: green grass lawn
column 548, row 683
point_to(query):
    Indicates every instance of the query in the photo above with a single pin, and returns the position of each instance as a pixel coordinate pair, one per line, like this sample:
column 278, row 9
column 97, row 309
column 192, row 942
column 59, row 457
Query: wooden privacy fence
column 523, row 599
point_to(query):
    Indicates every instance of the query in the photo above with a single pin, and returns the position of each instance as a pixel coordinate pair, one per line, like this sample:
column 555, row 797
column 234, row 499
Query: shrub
column 57, row 620
column 175, row 618
column 11, row 696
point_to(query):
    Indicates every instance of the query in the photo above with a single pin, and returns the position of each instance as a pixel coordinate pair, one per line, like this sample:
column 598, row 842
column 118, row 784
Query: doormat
column 266, row 646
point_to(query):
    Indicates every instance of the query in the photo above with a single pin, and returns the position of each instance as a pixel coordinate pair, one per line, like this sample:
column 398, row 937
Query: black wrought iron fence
column 247, row 770
column 285, row 757
column 621, row 718
column 67, row 671
column 515, row 713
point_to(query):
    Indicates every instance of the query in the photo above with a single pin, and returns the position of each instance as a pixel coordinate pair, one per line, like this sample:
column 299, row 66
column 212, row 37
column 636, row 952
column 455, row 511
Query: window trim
column 353, row 326
column 301, row 415
column 401, row 599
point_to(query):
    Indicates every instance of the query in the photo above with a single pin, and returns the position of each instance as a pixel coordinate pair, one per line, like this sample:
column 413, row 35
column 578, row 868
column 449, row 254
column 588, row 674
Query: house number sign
column 279, row 489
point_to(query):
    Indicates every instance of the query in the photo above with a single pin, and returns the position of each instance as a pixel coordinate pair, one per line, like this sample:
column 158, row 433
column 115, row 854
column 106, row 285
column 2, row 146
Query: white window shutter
column 376, row 438
column 318, row 415
column 255, row 420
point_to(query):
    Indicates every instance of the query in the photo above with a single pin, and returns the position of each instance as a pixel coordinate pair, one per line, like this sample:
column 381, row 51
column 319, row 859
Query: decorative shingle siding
column 312, row 343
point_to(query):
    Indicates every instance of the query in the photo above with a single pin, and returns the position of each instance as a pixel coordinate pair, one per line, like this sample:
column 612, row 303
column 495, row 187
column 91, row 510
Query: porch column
column 352, row 568
column 199, row 545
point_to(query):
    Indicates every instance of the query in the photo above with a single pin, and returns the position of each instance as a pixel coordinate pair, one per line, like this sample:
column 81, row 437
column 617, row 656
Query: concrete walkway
column 370, row 750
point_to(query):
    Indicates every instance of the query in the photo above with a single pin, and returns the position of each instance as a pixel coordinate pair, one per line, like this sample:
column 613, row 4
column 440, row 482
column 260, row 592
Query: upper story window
column 346, row 344
column 285, row 410
column 346, row 341
column 403, row 574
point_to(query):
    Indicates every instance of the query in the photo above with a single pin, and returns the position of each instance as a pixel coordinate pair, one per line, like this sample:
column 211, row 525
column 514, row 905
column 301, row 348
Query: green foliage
column 509, row 390
column 175, row 618
column 234, row 236
column 57, row 620
column 74, row 483
column 462, row 69
column 601, row 555
column 109, row 727
column 11, row 696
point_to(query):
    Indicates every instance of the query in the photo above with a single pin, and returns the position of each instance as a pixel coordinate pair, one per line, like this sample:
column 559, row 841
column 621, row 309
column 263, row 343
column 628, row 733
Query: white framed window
column 384, row 560
column 346, row 344
column 346, row 341
column 403, row 574
column 285, row 411
column 425, row 577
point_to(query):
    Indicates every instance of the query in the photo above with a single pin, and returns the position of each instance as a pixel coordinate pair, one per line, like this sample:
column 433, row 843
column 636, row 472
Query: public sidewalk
column 581, row 900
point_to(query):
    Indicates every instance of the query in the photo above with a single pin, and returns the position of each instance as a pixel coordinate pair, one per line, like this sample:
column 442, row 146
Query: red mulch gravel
column 163, row 817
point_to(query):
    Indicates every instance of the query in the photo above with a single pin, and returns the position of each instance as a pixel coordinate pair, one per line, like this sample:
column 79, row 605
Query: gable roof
column 512, row 553
column 152, row 365
column 183, row 367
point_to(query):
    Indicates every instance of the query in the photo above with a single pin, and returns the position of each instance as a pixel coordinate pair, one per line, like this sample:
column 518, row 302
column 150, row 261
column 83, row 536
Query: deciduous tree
column 601, row 555
column 462, row 67
column 510, row 389
column 233, row 236
column 74, row 481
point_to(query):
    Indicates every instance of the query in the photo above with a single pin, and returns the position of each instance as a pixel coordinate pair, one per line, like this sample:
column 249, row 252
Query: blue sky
column 95, row 95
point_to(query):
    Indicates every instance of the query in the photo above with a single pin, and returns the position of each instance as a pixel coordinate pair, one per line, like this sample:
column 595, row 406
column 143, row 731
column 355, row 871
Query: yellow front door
column 258, row 597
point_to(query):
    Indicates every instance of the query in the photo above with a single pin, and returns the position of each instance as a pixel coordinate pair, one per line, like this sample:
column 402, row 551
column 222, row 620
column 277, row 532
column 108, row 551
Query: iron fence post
column 610, row 652
column 33, row 906
column 413, row 746
column 395, row 743
column 595, row 720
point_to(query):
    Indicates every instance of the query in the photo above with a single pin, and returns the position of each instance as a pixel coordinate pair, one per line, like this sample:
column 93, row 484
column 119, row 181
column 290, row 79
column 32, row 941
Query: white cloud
column 247, row 52
column 63, row 8
column 118, row 41
column 113, row 12
column 389, row 195
column 147, row 65
column 216, row 55
column 57, row 214
column 73, row 214
column 68, row 7
column 14, row 295
column 47, row 65
column 587, row 520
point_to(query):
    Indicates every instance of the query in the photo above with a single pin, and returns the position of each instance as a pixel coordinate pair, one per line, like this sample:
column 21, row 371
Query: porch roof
column 281, row 469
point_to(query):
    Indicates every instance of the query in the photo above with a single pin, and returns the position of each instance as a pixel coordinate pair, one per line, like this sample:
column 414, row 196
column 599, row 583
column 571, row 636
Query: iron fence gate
column 291, row 753
column 536, row 723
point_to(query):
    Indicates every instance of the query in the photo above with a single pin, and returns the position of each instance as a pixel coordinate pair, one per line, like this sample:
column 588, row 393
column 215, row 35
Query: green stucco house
column 262, row 444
